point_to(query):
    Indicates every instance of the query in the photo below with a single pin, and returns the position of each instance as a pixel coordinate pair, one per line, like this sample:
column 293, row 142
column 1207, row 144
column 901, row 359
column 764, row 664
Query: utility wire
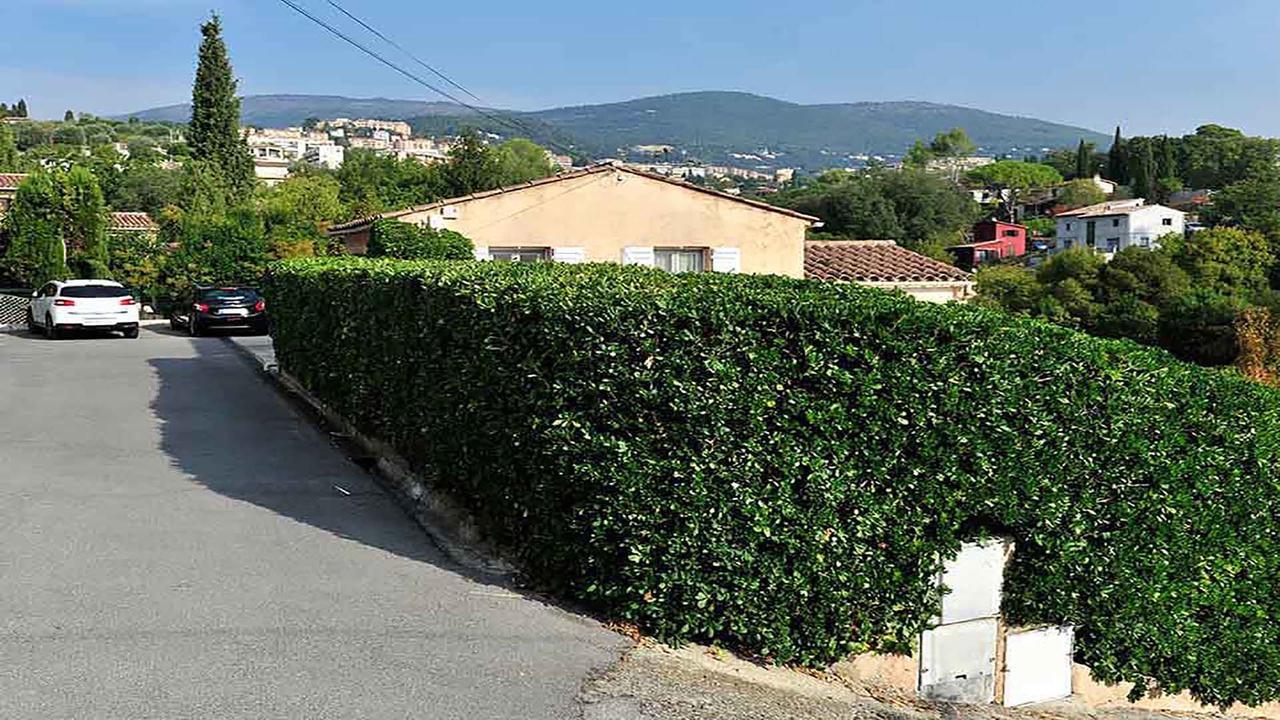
column 514, row 122
column 397, row 46
column 373, row 54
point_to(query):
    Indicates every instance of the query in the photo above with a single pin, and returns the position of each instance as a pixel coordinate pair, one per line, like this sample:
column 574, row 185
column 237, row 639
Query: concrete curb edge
column 450, row 527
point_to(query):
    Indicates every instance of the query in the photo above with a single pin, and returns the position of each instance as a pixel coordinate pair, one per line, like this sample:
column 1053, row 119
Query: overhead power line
column 505, row 122
column 399, row 47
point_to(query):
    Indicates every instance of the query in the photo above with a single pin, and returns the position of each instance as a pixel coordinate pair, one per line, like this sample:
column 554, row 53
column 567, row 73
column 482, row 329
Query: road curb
column 450, row 527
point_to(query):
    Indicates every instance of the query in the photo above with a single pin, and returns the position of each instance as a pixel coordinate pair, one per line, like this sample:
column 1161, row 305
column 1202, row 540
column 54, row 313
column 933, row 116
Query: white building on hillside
column 1113, row 226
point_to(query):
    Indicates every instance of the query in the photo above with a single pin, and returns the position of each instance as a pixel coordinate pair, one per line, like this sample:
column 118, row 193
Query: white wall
column 1140, row 228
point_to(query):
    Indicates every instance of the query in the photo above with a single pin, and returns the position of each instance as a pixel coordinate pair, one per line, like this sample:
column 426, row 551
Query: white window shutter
column 570, row 255
column 482, row 252
column 726, row 260
column 636, row 255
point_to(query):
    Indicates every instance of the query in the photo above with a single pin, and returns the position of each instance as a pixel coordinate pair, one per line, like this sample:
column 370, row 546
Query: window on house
column 1167, row 221
column 681, row 260
column 1068, row 226
column 1144, row 242
column 519, row 254
column 1113, row 244
column 1011, row 233
column 1115, row 223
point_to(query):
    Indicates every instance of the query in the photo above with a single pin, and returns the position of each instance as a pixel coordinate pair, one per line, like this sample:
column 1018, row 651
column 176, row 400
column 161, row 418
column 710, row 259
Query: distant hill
column 287, row 110
column 731, row 127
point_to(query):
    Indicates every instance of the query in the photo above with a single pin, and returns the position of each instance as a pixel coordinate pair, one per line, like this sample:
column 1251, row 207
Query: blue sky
column 1153, row 66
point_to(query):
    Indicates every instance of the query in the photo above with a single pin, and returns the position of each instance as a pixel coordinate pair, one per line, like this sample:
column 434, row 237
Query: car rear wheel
column 131, row 333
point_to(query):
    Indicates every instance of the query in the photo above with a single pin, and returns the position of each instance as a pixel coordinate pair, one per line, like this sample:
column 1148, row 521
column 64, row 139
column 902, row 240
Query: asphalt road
column 177, row 541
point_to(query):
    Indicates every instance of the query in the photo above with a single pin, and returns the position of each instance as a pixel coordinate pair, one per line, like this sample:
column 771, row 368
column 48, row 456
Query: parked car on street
column 226, row 306
column 61, row 307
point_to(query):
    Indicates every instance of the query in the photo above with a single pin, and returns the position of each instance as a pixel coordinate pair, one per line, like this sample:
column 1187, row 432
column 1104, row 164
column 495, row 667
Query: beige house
column 610, row 213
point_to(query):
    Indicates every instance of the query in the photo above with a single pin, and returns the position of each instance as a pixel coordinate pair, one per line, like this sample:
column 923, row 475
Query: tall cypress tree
column 214, row 134
column 1082, row 161
column 1143, row 169
column 1167, row 162
column 22, row 108
column 1118, row 160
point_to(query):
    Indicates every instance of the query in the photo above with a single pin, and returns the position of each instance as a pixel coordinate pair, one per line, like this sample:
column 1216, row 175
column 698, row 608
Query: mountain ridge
column 713, row 126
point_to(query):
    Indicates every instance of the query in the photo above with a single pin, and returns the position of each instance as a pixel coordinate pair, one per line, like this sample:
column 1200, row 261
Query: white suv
column 59, row 307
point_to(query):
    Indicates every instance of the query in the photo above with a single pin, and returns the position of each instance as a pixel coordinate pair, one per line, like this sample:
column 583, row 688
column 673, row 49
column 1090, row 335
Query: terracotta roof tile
column 132, row 221
column 874, row 261
column 11, row 181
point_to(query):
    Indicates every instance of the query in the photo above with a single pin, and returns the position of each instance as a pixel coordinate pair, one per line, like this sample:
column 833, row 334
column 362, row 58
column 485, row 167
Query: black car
column 231, row 306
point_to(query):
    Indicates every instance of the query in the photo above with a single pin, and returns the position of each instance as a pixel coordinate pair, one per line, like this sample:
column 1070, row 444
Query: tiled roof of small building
column 132, row 221
column 11, row 181
column 874, row 261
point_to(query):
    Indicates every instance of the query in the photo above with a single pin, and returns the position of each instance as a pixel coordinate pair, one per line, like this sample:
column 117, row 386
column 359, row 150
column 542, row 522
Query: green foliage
column 297, row 211
column 1213, row 157
column 84, row 223
column 521, row 160
column 371, row 183
column 1015, row 175
column 136, row 260
column 918, row 209
column 473, row 166
column 35, row 228
column 10, row 159
column 403, row 241
column 1184, row 296
column 214, row 132
column 222, row 248
column 766, row 463
column 1118, row 160
column 1079, row 193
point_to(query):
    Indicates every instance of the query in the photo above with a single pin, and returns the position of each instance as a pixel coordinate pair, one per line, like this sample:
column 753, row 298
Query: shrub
column 402, row 241
column 779, row 465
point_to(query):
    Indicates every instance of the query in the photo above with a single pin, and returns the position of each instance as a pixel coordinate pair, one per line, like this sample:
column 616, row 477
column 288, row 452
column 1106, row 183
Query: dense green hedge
column 404, row 241
column 779, row 465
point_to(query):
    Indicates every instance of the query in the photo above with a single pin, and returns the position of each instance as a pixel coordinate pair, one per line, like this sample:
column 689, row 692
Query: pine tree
column 68, row 116
column 22, row 108
column 1082, row 161
column 1118, row 161
column 214, row 134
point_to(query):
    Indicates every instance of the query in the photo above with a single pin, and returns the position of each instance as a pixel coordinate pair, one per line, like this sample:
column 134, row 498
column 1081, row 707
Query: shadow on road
column 225, row 427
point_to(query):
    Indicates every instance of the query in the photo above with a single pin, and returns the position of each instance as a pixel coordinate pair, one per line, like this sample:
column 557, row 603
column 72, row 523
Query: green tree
column 522, row 160
column 1084, row 155
column 37, row 251
column 1079, row 193
column 1200, row 327
column 297, row 211
column 1226, row 261
column 1252, row 204
column 371, row 183
column 1011, row 178
column 84, row 223
column 1118, row 160
column 68, row 116
column 10, row 158
column 949, row 147
column 472, row 167
column 1142, row 171
column 1009, row 287
column 918, row 156
column 214, row 132
column 212, row 248
column 1152, row 277
column 21, row 109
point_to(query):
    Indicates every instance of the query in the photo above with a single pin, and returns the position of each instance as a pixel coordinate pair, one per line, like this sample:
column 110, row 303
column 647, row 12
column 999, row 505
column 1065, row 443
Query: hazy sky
column 1152, row 66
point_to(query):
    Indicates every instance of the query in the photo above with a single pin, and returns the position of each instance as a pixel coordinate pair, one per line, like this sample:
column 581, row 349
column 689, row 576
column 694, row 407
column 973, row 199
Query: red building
column 992, row 241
